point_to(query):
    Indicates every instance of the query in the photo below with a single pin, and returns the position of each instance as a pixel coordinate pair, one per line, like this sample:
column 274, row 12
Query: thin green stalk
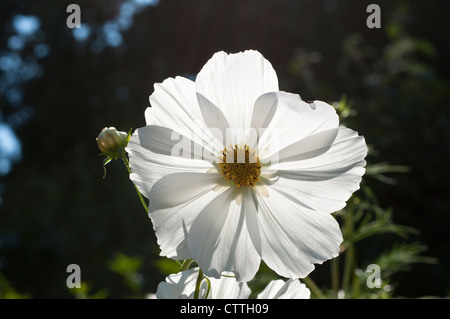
column 208, row 282
column 335, row 276
column 349, row 252
column 313, row 287
column 349, row 267
column 197, row 284
column 127, row 165
column 186, row 264
column 356, row 288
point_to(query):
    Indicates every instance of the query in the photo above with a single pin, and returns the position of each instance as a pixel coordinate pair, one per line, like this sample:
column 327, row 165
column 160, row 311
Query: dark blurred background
column 59, row 87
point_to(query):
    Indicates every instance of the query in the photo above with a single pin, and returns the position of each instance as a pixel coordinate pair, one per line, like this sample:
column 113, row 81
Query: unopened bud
column 111, row 140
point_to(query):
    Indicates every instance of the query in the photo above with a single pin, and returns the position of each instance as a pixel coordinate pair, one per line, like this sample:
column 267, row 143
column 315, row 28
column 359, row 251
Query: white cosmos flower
column 182, row 286
column 276, row 205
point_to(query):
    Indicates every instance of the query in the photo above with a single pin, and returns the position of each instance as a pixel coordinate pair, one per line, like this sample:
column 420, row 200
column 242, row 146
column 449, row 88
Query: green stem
column 312, row 285
column 186, row 264
column 197, row 284
column 335, row 276
column 127, row 164
column 209, row 287
column 356, row 288
column 349, row 252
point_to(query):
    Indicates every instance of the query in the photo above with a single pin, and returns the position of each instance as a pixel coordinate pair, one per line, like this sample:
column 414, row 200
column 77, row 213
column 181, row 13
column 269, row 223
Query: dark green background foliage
column 57, row 210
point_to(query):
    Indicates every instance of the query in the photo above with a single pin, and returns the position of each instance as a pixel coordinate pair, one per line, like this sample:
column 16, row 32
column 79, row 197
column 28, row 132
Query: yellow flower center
column 240, row 165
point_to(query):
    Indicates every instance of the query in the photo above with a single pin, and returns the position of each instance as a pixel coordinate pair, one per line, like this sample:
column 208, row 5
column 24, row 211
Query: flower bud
column 110, row 140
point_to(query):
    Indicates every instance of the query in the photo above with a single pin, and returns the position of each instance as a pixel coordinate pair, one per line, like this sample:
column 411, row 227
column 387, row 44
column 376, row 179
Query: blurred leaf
column 344, row 109
column 393, row 30
column 8, row 292
column 376, row 228
column 425, row 47
column 377, row 171
column 385, row 167
column 369, row 219
column 84, row 292
column 124, row 265
column 128, row 268
column 400, row 258
column 167, row 266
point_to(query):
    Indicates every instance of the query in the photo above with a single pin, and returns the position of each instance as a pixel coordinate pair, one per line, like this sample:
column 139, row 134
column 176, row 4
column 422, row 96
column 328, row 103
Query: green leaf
column 128, row 136
column 376, row 228
column 167, row 266
column 124, row 265
column 377, row 171
column 8, row 292
column 105, row 162
column 400, row 258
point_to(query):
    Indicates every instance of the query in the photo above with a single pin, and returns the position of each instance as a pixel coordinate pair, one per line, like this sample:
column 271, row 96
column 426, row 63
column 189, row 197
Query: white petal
column 214, row 119
column 308, row 147
column 219, row 239
column 227, row 287
column 233, row 82
column 271, row 289
column 294, row 237
column 250, row 207
column 178, row 188
column 163, row 140
column 149, row 150
column 326, row 181
column 175, row 106
column 291, row 289
column 264, row 110
column 178, row 286
column 294, row 120
column 172, row 225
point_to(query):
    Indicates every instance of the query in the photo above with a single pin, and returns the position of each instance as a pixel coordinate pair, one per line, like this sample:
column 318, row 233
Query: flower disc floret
column 240, row 165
